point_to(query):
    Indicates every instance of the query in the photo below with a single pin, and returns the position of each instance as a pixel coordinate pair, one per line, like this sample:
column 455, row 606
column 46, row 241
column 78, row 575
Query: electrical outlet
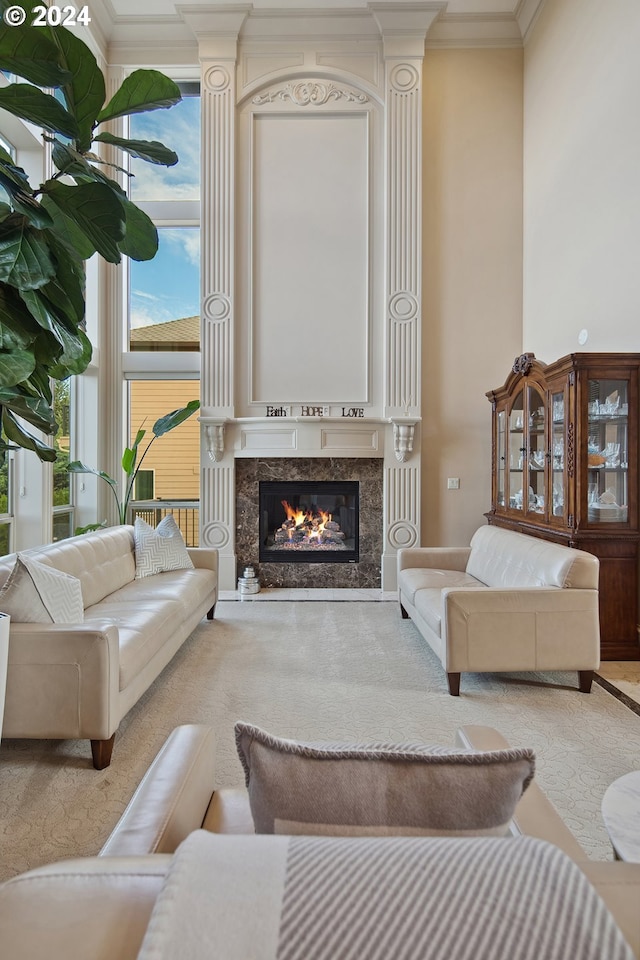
column 453, row 483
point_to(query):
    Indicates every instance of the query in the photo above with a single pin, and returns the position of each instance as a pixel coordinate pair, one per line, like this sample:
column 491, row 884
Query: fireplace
column 315, row 521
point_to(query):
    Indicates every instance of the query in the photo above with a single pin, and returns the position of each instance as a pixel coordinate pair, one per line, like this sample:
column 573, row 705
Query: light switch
column 453, row 483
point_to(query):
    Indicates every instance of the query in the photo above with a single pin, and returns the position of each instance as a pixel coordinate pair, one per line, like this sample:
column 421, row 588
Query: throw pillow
column 37, row 593
column 161, row 549
column 379, row 789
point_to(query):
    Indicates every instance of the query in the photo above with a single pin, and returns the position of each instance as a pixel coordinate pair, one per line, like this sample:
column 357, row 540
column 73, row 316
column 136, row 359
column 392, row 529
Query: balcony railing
column 185, row 512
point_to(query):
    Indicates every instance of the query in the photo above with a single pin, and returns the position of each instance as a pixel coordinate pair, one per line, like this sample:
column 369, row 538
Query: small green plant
column 130, row 463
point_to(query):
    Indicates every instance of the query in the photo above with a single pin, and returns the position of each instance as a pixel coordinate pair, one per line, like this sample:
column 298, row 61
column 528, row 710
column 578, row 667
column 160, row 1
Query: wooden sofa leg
column 405, row 615
column 585, row 678
column 101, row 751
column 454, row 684
column 211, row 612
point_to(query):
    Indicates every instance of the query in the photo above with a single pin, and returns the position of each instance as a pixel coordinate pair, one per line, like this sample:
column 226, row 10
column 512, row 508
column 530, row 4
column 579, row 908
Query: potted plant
column 130, row 462
column 49, row 230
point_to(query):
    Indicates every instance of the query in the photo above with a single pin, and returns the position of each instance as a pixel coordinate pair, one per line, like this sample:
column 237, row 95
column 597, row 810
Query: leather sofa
column 76, row 681
column 100, row 907
column 508, row 602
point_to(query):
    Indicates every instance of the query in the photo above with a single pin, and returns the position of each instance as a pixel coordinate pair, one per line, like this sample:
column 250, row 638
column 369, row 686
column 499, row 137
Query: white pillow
column 160, row 549
column 37, row 593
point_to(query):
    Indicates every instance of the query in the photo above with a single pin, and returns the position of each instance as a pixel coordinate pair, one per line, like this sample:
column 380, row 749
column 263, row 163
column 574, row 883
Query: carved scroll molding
column 217, row 504
column 218, row 147
column 310, row 93
column 214, row 438
column 402, row 506
column 403, row 437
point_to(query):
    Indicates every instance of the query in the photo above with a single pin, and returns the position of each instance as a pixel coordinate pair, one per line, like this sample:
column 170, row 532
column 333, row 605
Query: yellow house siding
column 174, row 457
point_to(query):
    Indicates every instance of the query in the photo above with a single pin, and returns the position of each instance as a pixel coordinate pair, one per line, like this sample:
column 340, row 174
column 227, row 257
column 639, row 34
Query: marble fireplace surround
column 363, row 574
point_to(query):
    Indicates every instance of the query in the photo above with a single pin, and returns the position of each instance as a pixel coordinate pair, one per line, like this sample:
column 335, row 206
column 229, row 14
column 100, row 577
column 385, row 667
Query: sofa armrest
column 535, row 815
column 62, row 681
column 172, row 798
column 435, row 558
column 619, row 886
column 88, row 909
column 204, row 557
column 537, row 628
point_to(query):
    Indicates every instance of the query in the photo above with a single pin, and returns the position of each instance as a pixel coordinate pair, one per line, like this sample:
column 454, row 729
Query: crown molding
column 527, row 13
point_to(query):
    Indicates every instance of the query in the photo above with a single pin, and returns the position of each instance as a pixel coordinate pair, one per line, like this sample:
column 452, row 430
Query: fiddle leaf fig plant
column 48, row 230
column 130, row 463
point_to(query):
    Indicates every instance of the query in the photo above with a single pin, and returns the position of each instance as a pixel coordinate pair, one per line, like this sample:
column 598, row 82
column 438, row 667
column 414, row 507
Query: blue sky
column 167, row 287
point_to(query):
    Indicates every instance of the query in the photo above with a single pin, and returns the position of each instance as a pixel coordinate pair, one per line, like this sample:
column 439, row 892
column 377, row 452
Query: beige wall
column 472, row 277
column 582, row 176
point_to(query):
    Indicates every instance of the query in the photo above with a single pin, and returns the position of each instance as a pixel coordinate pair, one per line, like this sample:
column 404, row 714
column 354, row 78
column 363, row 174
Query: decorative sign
column 311, row 410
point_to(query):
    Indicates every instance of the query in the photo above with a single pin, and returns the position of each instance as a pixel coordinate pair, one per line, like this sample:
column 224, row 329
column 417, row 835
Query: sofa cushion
column 38, row 593
column 160, row 549
column 503, row 558
column 379, row 788
column 430, row 578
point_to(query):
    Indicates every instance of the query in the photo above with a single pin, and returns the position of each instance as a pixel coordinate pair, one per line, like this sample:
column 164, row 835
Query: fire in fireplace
column 309, row 521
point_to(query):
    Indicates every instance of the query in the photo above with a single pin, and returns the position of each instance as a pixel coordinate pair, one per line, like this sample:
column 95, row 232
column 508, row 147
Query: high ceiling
column 127, row 30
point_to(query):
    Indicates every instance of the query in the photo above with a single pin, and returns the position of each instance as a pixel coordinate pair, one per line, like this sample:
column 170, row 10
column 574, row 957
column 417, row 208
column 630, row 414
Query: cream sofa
column 71, row 681
column 508, row 602
column 98, row 908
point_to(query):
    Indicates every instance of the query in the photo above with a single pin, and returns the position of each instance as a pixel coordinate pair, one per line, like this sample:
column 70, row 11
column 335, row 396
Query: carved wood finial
column 522, row 364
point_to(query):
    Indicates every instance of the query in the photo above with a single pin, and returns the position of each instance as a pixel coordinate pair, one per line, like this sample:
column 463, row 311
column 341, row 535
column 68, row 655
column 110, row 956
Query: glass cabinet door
column 607, row 452
column 516, row 452
column 502, row 459
column 536, row 452
column 558, row 489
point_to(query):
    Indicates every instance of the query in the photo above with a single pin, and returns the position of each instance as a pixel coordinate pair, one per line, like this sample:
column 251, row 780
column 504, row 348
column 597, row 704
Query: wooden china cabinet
column 565, row 468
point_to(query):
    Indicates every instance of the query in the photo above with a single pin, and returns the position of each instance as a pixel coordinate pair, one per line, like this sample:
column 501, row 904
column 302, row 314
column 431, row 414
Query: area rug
column 316, row 670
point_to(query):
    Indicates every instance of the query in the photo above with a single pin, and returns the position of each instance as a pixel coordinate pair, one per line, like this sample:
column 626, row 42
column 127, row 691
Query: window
column 62, row 499
column 6, row 502
column 169, row 473
column 164, row 293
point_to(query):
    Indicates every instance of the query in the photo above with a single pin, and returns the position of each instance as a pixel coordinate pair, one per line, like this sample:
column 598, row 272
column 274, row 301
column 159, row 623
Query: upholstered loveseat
column 236, row 895
column 508, row 602
column 78, row 680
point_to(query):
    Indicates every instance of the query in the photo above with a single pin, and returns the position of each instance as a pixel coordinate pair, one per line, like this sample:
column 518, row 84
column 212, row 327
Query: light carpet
column 313, row 670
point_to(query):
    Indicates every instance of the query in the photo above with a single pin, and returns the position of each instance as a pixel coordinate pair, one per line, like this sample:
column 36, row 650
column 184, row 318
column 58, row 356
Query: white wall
column 581, row 178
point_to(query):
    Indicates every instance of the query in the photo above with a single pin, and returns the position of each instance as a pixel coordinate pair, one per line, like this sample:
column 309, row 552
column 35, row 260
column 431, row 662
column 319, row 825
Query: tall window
column 62, row 490
column 6, row 502
column 164, row 293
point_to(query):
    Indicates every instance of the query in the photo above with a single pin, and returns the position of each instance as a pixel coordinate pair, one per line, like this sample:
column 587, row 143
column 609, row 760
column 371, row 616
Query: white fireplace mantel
column 311, row 279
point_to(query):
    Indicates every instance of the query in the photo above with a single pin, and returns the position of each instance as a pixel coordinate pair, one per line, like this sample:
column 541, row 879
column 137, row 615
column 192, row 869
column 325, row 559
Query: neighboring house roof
column 182, row 334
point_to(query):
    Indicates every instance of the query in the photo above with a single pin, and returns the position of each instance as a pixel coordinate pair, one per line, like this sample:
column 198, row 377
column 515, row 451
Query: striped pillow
column 380, row 789
column 161, row 549
column 37, row 593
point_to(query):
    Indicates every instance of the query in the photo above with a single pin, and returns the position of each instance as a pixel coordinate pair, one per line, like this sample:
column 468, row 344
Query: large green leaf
column 75, row 360
column 85, row 91
column 76, row 466
column 29, row 103
column 151, row 150
column 24, row 256
column 141, row 237
column 96, row 210
column 33, row 409
column 17, row 326
column 13, row 177
column 142, row 90
column 17, row 434
column 70, row 276
column 32, row 210
column 75, row 242
column 27, row 52
column 176, row 417
column 15, row 366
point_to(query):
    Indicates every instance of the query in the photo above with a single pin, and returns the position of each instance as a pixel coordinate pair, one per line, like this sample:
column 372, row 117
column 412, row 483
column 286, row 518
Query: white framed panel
column 310, row 258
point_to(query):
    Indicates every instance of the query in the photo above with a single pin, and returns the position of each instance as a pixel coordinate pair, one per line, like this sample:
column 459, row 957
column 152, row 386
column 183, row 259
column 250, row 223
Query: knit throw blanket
column 414, row 898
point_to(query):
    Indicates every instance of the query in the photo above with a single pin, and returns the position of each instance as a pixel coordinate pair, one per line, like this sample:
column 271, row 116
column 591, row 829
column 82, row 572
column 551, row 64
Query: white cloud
column 147, row 296
column 186, row 238
column 176, row 129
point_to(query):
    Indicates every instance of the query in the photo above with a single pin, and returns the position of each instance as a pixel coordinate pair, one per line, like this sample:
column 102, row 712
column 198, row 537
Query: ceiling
column 141, row 30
